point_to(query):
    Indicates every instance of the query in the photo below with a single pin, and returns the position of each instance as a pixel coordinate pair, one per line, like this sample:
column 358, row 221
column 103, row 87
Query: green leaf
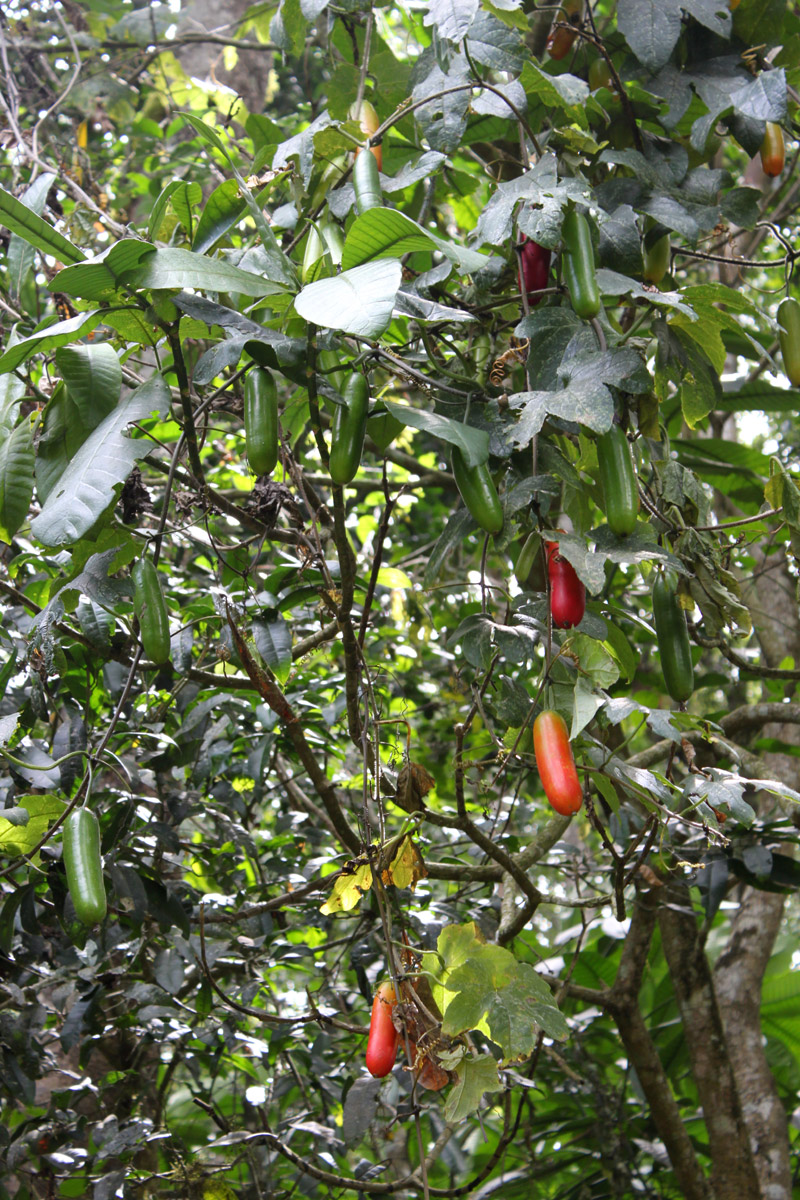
column 16, row 478
column 20, row 252
column 42, row 811
column 273, row 640
column 19, row 218
column 222, row 210
column 473, row 443
column 505, row 998
column 385, row 233
column 475, row 1076
column 593, row 660
column 93, row 376
column 176, row 268
column 102, row 463
column 49, row 337
column 359, row 301
column 102, row 277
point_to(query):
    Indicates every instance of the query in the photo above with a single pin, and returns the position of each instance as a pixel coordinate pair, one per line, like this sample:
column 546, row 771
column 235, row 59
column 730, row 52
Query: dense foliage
column 302, row 710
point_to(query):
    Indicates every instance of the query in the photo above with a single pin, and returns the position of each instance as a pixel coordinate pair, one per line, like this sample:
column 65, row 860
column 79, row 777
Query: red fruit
column 534, row 271
column 555, row 763
column 560, row 41
column 567, row 593
column 383, row 1037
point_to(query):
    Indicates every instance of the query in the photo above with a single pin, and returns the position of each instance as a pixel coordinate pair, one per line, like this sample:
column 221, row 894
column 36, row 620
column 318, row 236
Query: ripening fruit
column 368, row 118
column 534, row 270
column 773, row 151
column 84, row 866
column 561, row 41
column 555, row 763
column 383, row 1038
column 789, row 331
column 567, row 593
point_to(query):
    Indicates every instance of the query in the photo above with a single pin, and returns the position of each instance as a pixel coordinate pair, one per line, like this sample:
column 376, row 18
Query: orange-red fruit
column 534, row 270
column 369, row 121
column 773, row 151
column 555, row 763
column 561, row 41
column 567, row 593
column 383, row 1037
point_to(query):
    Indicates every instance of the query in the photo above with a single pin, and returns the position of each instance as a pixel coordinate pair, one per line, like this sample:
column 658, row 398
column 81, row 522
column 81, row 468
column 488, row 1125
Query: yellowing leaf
column 406, row 868
column 22, row 833
column 348, row 889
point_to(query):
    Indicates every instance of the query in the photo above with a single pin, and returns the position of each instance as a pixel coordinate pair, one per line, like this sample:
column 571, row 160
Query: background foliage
column 332, row 780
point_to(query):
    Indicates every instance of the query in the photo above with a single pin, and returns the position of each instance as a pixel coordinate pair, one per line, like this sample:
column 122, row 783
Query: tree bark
column 733, row 1172
column 623, row 1004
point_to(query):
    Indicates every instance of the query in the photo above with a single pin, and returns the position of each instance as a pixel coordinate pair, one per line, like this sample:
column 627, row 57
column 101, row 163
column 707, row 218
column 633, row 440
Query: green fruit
column 332, row 236
column 330, row 368
column 478, row 492
column 618, row 481
column 672, row 635
column 261, row 420
column 600, row 75
column 349, row 427
column 656, row 258
column 81, row 843
column 526, row 558
column 314, row 251
column 151, row 611
column 789, row 331
column 367, row 183
column 579, row 272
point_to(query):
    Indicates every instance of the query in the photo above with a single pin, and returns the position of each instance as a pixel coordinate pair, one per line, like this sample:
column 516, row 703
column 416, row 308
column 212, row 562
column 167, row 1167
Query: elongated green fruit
column 261, row 420
column 329, row 366
column 81, row 842
column 789, row 329
column 579, row 272
column 656, row 259
column 151, row 611
column 349, row 427
column 315, row 249
column 332, row 236
column 478, row 492
column 618, row 481
column 526, row 558
column 367, row 183
column 672, row 635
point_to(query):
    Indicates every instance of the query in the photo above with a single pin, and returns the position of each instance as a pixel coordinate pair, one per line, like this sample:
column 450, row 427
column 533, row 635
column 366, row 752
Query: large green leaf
column 16, row 479
column 359, row 301
column 386, row 233
column 102, row 463
column 48, row 338
column 19, row 218
column 100, row 278
column 176, row 268
column 473, row 443
column 93, row 376
column 20, row 250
